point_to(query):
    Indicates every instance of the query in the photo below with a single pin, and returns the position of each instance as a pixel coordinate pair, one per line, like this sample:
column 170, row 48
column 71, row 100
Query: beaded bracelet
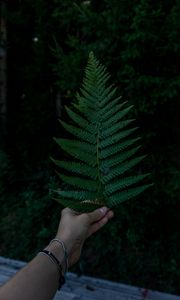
column 53, row 258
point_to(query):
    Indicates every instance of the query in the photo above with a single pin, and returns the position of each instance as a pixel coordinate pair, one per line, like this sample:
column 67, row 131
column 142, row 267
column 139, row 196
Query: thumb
column 97, row 214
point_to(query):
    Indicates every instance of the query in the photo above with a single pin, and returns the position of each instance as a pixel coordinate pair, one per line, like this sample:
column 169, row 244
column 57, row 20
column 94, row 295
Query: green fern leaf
column 119, row 158
column 107, row 95
column 103, row 148
column 77, row 168
column 120, row 197
column 113, row 139
column 79, row 150
column 77, row 118
column 110, row 107
column 116, row 127
column 83, row 206
column 123, row 183
column 106, row 114
column 77, row 195
column 122, row 168
column 109, row 151
column 89, row 185
column 117, row 116
column 82, row 134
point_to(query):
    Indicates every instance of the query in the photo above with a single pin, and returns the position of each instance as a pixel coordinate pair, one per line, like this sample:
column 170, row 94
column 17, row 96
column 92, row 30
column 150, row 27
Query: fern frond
column 113, row 139
column 109, row 151
column 83, row 100
column 80, row 121
column 107, row 95
column 116, row 127
column 77, row 195
column 83, row 206
column 117, row 117
column 110, row 106
column 67, row 144
column 80, row 133
column 103, row 147
column 107, row 113
column 89, row 113
column 123, row 183
column 79, row 150
column 122, row 168
column 76, row 168
column 120, row 197
column 119, row 158
column 89, row 185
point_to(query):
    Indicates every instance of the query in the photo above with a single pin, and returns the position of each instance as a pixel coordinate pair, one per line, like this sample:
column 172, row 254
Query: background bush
column 48, row 46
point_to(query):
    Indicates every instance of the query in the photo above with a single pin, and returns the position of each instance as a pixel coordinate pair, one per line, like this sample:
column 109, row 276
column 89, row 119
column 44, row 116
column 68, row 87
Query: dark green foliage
column 101, row 149
column 24, row 203
column 139, row 42
column 4, row 168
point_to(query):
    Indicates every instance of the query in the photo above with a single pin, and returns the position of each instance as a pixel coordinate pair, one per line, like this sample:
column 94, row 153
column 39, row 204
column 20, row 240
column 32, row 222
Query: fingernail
column 111, row 215
column 103, row 210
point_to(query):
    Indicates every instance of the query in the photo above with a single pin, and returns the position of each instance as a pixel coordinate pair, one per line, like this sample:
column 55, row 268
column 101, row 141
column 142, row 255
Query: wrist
column 56, row 257
column 68, row 242
column 60, row 253
column 56, row 250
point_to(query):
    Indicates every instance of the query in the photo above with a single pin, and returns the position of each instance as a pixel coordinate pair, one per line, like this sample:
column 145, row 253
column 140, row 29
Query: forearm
column 38, row 280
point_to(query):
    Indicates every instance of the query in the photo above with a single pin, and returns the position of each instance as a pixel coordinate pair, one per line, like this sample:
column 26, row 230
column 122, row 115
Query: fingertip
column 110, row 214
column 104, row 220
column 103, row 210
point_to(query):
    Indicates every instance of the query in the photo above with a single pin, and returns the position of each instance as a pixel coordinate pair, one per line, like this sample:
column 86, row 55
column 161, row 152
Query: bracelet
column 53, row 258
column 65, row 251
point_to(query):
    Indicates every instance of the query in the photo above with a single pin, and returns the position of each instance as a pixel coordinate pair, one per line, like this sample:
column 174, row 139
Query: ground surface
column 88, row 288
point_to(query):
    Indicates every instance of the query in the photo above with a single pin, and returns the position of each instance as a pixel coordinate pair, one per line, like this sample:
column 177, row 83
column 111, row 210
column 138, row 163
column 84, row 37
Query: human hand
column 75, row 228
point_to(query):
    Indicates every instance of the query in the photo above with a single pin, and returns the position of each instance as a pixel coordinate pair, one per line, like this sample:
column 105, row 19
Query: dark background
column 47, row 50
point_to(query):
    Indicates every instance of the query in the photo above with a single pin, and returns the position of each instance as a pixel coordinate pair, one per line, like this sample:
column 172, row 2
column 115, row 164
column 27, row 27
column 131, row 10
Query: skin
column 39, row 279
